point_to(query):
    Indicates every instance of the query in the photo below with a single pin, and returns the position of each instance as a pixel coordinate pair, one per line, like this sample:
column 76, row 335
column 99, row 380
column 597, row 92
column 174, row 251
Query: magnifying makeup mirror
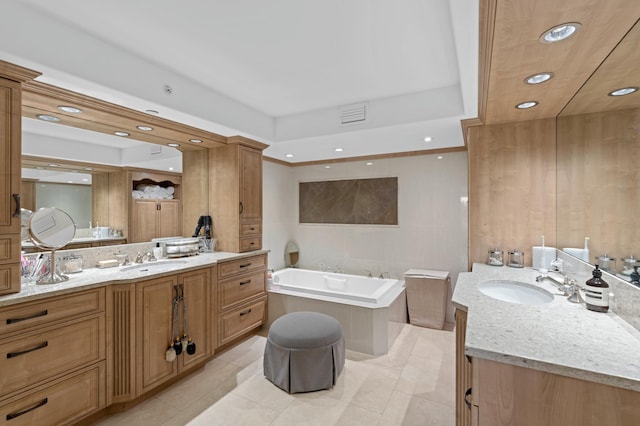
column 50, row 229
column 291, row 255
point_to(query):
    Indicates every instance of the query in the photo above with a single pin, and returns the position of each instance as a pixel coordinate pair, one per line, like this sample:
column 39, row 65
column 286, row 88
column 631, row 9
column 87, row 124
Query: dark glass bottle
column 596, row 295
column 635, row 276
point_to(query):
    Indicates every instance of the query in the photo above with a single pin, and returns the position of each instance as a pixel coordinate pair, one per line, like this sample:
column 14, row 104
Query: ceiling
column 278, row 72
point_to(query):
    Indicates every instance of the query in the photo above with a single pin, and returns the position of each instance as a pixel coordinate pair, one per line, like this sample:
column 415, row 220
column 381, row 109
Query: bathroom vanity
column 100, row 339
column 553, row 363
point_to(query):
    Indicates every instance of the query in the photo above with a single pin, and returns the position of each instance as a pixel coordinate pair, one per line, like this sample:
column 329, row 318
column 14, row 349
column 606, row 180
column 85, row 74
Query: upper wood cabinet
column 11, row 77
column 153, row 217
column 236, row 194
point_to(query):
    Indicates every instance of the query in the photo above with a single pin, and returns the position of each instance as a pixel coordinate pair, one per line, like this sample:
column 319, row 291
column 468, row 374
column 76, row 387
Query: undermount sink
column 515, row 292
column 154, row 266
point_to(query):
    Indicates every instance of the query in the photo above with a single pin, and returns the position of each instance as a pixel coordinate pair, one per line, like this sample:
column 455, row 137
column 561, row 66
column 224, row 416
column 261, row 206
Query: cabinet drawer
column 248, row 229
column 227, row 269
column 25, row 315
column 236, row 290
column 234, row 323
column 63, row 401
column 10, row 248
column 31, row 358
column 9, row 280
column 249, row 244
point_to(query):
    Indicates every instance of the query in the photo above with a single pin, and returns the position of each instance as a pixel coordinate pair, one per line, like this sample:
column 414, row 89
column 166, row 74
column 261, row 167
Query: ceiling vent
column 155, row 149
column 353, row 114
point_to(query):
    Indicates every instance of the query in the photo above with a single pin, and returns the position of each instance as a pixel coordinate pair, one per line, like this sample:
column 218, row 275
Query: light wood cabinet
column 463, row 373
column 11, row 77
column 155, row 219
column 242, row 297
column 155, row 300
column 53, row 359
column 235, row 198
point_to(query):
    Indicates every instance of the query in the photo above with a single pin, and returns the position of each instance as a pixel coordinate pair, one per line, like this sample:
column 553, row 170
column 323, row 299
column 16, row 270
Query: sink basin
column 515, row 292
column 159, row 266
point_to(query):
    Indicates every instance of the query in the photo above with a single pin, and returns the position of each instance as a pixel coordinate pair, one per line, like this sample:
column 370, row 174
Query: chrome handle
column 36, row 315
column 16, row 197
column 15, row 354
column 26, row 410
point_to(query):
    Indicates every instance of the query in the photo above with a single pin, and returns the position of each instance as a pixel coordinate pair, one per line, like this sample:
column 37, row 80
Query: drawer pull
column 17, row 212
column 15, row 354
column 245, row 282
column 467, row 394
column 246, row 265
column 25, row 411
column 247, row 312
column 36, row 315
column 252, row 228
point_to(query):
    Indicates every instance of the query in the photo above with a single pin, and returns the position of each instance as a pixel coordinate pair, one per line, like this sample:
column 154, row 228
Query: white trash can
column 427, row 292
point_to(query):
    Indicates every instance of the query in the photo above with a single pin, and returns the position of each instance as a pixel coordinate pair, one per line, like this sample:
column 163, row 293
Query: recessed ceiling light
column 69, row 181
column 54, row 165
column 526, row 105
column 50, row 118
column 339, row 150
column 85, row 180
column 427, row 139
column 288, row 155
column 560, row 32
column 195, row 140
column 71, row 109
column 88, row 168
column 440, row 157
column 170, row 169
column 368, row 164
column 173, row 145
column 539, row 78
column 123, row 134
column 327, row 167
column 144, row 128
column 39, row 167
column 623, row 91
column 151, row 111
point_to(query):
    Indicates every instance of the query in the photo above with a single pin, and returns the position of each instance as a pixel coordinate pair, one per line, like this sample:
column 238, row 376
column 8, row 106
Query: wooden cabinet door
column 250, row 184
column 10, row 147
column 169, row 219
column 144, row 220
column 197, row 286
column 154, row 310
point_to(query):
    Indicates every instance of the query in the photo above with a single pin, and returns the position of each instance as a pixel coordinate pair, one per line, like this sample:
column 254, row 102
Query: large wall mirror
column 598, row 154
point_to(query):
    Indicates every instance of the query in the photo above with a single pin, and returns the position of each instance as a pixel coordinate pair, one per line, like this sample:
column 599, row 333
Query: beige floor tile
column 355, row 416
column 234, row 410
column 413, row 384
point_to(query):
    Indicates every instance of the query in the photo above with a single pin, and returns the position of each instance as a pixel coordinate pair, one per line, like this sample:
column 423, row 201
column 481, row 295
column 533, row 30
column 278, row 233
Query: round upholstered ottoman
column 304, row 352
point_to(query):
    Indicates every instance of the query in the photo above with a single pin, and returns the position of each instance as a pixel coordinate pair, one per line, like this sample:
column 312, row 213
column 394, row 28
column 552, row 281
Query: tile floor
column 414, row 384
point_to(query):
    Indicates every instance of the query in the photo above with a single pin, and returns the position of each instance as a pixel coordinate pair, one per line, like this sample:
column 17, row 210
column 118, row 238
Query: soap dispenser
column 596, row 292
column 635, row 276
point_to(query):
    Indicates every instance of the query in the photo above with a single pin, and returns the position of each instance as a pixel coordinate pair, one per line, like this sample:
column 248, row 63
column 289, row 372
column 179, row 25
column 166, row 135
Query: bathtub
column 371, row 311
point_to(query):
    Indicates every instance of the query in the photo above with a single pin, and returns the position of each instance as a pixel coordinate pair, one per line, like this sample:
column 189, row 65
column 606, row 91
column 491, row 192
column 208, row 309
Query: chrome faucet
column 139, row 258
column 564, row 286
column 150, row 257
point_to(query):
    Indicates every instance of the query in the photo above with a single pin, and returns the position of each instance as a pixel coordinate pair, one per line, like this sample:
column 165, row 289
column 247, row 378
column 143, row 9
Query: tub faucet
column 368, row 274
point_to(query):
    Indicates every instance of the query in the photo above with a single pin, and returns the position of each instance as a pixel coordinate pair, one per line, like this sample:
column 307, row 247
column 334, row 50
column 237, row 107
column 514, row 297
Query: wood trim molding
column 465, row 124
column 241, row 140
column 485, row 50
column 16, row 72
column 31, row 161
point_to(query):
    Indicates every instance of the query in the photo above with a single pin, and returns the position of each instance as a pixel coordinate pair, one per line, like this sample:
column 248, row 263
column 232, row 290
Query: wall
column 512, row 187
column 432, row 217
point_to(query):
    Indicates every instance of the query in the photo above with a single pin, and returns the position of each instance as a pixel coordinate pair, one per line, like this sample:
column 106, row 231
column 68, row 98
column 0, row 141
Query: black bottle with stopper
column 596, row 295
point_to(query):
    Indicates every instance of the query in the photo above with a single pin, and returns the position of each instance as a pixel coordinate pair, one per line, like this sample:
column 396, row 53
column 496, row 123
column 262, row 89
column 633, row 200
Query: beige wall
column 512, row 187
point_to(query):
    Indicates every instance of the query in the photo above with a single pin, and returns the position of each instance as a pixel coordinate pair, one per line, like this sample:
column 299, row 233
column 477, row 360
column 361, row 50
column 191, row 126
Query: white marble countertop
column 95, row 277
column 78, row 240
column 559, row 337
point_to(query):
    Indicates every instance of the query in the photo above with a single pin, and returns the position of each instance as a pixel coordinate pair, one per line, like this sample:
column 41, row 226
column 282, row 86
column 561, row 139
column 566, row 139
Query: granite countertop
column 95, row 277
column 559, row 337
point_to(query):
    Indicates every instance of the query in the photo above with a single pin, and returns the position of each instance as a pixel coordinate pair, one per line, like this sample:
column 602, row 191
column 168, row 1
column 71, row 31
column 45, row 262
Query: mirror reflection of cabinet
column 11, row 77
column 155, row 217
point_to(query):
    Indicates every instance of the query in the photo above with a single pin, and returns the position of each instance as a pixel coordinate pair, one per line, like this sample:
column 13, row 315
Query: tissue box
column 536, row 256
